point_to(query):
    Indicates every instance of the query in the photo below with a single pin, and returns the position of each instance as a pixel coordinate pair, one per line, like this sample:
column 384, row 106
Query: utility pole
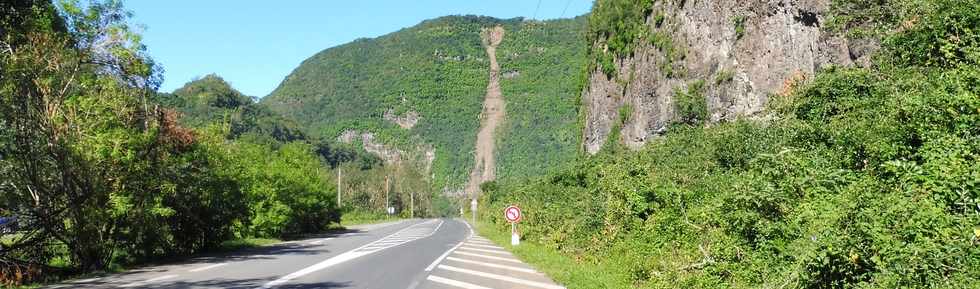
column 387, row 204
column 338, row 185
column 412, row 198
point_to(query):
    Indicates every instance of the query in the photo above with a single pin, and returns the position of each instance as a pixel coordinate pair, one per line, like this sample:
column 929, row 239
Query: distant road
column 413, row 254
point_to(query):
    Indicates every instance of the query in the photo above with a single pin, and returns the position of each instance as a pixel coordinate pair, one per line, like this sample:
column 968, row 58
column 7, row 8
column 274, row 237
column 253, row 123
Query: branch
column 706, row 260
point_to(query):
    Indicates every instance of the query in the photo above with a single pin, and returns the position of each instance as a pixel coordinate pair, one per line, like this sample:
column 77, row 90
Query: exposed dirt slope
column 484, row 168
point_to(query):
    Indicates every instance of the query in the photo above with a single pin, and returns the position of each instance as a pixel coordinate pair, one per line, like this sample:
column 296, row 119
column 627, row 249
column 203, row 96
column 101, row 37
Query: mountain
column 416, row 94
column 210, row 99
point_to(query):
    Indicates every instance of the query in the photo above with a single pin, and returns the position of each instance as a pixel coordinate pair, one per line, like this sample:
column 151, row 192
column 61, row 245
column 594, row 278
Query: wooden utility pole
column 387, row 204
column 338, row 185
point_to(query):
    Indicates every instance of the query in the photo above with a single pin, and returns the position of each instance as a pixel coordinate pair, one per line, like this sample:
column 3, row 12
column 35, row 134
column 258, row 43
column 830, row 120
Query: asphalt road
column 412, row 254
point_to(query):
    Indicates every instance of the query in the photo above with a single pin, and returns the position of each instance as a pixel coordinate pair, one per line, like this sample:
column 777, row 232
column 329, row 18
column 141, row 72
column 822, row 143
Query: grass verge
column 239, row 244
column 562, row 268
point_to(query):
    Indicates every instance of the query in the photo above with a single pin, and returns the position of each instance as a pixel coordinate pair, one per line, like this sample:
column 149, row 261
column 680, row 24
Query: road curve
column 411, row 254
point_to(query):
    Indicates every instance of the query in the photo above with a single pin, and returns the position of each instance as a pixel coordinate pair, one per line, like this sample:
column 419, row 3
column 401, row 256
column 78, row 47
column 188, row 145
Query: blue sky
column 255, row 44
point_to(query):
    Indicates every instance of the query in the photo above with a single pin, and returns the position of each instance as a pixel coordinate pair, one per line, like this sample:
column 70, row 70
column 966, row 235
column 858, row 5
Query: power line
column 536, row 10
column 566, row 8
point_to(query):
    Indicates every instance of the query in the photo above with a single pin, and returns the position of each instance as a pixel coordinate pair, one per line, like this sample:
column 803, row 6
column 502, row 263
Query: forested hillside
column 98, row 175
column 437, row 72
column 857, row 177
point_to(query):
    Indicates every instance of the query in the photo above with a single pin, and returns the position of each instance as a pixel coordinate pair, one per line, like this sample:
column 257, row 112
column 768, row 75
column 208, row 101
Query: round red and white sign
column 513, row 214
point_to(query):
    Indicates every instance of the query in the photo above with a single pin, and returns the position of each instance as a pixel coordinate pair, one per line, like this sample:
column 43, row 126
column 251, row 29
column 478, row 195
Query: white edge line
column 471, row 229
column 208, row 267
column 444, row 255
column 454, row 283
column 86, row 280
column 144, row 282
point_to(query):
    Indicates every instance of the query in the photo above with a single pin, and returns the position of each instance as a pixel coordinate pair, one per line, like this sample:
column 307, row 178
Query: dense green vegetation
column 863, row 178
column 98, row 175
column 615, row 29
column 540, row 130
column 439, row 69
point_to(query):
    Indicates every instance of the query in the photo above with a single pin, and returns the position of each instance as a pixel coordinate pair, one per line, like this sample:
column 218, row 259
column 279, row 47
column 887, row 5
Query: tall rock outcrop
column 737, row 52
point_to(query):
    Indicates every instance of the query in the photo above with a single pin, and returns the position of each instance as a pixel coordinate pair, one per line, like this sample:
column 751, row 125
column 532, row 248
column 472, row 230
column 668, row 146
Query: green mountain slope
column 211, row 100
column 438, row 69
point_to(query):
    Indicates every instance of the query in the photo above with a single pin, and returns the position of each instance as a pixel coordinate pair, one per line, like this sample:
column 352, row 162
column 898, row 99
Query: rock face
column 407, row 121
column 390, row 155
column 743, row 51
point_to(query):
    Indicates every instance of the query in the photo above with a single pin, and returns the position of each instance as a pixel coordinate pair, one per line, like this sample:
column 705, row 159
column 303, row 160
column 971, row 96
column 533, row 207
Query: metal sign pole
column 514, row 239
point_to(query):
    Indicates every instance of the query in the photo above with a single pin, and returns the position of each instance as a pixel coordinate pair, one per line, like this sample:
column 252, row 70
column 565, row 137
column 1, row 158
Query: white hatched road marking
column 519, row 269
column 502, row 277
column 455, row 283
column 489, row 257
column 485, row 250
column 141, row 283
column 208, row 267
column 367, row 249
column 484, row 246
column 479, row 242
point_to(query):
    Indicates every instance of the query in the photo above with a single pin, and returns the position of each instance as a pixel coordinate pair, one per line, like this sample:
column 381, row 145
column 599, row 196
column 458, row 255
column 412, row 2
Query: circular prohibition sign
column 513, row 214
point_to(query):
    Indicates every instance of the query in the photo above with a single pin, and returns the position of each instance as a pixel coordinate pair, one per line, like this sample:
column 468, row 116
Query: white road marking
column 87, row 280
column 144, row 282
column 454, row 283
column 485, row 246
column 208, row 267
column 438, row 260
column 479, row 242
column 495, row 251
column 347, row 256
column 471, row 229
column 502, row 277
column 319, row 242
column 489, row 257
column 519, row 269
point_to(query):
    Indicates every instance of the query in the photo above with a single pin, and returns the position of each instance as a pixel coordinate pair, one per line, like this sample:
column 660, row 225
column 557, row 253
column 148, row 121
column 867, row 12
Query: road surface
column 411, row 254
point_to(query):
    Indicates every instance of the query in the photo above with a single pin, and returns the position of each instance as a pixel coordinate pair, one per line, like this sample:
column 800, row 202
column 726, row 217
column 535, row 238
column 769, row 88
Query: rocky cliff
column 731, row 54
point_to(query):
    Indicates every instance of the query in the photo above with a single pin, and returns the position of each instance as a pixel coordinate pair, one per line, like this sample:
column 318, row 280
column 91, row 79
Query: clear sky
column 255, row 44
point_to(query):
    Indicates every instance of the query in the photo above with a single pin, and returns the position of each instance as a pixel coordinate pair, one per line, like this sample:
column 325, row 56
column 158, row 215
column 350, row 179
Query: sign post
column 473, row 210
column 513, row 215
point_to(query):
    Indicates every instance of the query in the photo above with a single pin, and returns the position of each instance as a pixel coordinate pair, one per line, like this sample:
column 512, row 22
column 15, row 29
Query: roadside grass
column 245, row 243
column 564, row 269
column 364, row 218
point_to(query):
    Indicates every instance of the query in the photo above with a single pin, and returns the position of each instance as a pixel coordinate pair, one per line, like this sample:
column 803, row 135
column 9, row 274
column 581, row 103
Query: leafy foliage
column 617, row 25
column 98, row 175
column 865, row 179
